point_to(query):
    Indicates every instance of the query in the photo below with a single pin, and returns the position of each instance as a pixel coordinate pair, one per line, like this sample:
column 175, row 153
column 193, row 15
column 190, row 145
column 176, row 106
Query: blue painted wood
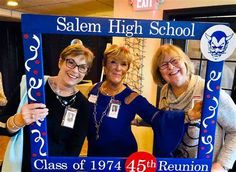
column 35, row 25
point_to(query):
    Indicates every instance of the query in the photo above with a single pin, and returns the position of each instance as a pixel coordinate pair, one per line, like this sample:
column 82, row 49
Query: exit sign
column 140, row 5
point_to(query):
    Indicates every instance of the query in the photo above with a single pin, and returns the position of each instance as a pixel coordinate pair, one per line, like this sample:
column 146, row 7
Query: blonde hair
column 76, row 50
column 158, row 58
column 117, row 51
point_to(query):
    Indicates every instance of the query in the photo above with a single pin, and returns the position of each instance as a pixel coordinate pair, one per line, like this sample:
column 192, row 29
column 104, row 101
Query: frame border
column 33, row 26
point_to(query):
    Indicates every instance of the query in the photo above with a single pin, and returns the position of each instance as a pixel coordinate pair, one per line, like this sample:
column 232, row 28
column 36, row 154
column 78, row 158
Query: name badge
column 114, row 109
column 69, row 117
column 93, row 98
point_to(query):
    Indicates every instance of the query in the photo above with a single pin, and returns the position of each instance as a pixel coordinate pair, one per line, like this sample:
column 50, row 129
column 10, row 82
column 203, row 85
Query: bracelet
column 187, row 117
column 11, row 125
column 14, row 122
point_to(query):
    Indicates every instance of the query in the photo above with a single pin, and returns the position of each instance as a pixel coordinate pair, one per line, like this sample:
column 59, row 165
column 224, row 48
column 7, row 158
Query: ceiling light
column 12, row 3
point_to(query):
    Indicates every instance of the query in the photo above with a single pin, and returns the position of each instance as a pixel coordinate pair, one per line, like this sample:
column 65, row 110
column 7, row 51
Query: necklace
column 96, row 121
column 66, row 102
column 105, row 90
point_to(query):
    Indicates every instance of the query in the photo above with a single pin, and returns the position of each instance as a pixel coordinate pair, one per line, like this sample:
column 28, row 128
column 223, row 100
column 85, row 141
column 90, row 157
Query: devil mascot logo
column 218, row 43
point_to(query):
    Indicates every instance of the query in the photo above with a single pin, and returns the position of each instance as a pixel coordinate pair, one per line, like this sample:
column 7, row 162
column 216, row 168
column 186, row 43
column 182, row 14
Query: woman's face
column 173, row 70
column 116, row 69
column 72, row 70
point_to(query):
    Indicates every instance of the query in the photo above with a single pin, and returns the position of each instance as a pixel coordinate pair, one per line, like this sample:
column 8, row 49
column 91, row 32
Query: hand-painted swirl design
column 213, row 110
column 208, row 141
column 213, row 77
column 39, row 139
column 34, row 85
column 33, row 49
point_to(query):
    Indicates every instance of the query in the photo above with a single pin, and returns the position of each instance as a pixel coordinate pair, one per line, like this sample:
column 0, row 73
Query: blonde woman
column 173, row 69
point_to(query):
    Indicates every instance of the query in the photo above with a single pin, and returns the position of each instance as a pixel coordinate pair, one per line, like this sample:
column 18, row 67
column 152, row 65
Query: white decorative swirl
column 213, row 77
column 39, row 123
column 213, row 110
column 32, row 84
column 35, row 50
column 208, row 141
column 38, row 139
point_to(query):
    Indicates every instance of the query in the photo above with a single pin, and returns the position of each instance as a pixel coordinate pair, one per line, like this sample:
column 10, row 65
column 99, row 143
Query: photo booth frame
column 33, row 26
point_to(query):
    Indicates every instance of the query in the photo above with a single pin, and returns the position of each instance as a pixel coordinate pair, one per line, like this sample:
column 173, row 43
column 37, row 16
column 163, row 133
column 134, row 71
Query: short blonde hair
column 76, row 50
column 117, row 51
column 158, row 58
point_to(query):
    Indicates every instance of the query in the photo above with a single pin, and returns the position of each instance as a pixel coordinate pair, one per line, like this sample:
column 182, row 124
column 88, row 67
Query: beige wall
column 122, row 9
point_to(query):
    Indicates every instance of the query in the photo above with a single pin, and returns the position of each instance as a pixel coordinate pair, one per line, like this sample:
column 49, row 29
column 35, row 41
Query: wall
column 122, row 9
column 9, row 15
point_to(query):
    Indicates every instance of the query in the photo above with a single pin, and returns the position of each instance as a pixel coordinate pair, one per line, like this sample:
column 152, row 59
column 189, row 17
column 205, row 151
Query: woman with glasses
column 113, row 105
column 66, row 109
column 173, row 69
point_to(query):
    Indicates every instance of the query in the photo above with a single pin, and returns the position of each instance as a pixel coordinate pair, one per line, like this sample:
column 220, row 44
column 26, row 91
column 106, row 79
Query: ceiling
column 98, row 8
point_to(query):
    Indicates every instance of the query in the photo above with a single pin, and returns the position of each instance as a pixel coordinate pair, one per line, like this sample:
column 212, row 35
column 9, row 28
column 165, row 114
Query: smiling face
column 116, row 62
column 69, row 73
column 173, row 70
column 115, row 70
column 171, row 65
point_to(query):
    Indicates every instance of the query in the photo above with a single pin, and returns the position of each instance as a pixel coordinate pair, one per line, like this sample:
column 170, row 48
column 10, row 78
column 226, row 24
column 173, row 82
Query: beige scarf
column 185, row 101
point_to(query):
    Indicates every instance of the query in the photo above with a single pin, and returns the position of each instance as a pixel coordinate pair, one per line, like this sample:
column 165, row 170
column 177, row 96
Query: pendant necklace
column 63, row 100
column 66, row 102
column 99, row 122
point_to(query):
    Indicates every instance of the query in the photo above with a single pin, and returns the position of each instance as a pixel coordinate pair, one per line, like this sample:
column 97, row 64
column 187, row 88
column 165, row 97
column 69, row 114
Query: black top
column 62, row 141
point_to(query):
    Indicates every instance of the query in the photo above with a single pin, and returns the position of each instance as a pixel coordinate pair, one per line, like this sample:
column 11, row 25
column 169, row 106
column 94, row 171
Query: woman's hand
column 195, row 112
column 216, row 167
column 31, row 113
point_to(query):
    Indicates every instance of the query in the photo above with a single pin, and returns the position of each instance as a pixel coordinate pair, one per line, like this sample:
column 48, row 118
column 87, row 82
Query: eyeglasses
column 174, row 61
column 70, row 63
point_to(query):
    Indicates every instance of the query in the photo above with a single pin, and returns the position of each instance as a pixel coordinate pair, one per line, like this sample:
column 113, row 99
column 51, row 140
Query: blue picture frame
column 33, row 26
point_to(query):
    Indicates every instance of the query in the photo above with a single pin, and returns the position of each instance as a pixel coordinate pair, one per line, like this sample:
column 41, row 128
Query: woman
column 67, row 117
column 114, row 105
column 172, row 68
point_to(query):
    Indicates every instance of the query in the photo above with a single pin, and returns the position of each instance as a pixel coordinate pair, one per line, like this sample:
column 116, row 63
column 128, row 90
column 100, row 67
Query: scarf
column 14, row 153
column 184, row 102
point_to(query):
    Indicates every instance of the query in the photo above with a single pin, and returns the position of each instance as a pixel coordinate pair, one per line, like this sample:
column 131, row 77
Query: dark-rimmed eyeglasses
column 83, row 68
column 172, row 61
